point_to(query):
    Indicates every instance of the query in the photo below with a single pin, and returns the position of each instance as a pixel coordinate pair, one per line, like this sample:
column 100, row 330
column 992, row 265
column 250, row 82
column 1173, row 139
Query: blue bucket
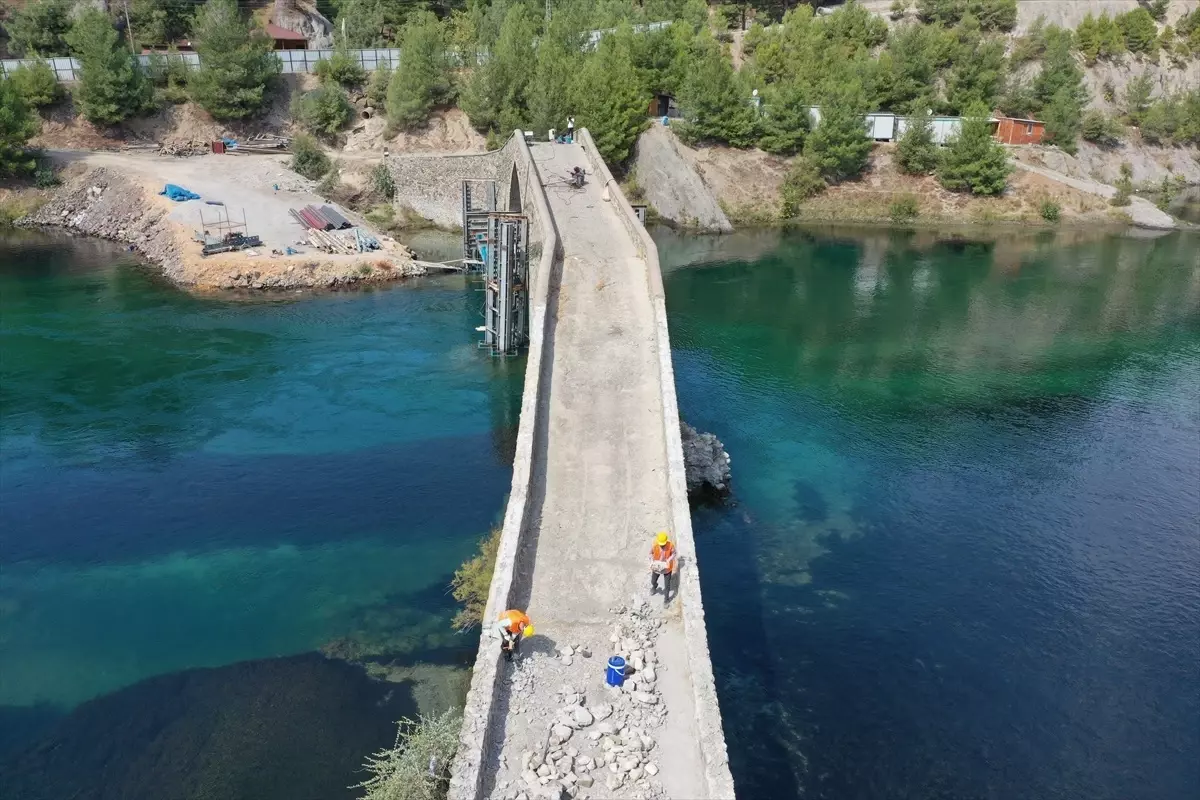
column 615, row 674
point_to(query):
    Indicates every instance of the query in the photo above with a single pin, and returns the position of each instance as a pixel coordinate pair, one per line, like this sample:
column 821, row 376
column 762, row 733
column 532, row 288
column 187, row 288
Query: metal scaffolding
column 498, row 243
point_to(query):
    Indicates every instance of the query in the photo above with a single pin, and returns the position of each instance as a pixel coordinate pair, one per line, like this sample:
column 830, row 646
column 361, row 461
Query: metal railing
column 290, row 61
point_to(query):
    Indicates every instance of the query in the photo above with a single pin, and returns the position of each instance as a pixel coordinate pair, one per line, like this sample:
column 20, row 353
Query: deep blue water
column 963, row 559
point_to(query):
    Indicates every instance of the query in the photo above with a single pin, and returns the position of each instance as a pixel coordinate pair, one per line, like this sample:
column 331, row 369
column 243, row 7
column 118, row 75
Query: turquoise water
column 194, row 482
column 963, row 554
column 961, row 559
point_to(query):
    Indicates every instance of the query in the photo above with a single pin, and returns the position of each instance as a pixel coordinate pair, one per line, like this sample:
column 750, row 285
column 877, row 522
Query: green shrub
column 382, row 181
column 1100, row 129
column 327, row 187
column 38, row 84
column 1050, row 210
column 308, row 159
column 1124, row 185
column 377, row 89
column 323, row 111
column 904, row 208
column 342, row 68
column 45, row 177
column 492, row 142
column 473, row 581
column 417, row 767
column 803, row 180
column 170, row 77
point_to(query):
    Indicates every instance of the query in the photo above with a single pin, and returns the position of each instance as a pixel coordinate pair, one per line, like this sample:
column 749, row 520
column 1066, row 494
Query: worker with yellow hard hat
column 663, row 559
column 513, row 626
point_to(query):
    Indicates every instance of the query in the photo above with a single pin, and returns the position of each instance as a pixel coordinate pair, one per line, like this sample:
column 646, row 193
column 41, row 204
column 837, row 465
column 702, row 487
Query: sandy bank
column 115, row 196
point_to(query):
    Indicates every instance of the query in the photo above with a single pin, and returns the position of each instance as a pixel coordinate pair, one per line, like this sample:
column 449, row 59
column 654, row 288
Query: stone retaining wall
column 475, row 739
column 431, row 185
column 712, row 747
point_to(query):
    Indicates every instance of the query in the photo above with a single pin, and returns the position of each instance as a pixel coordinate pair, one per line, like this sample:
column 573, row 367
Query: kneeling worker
column 513, row 626
column 662, row 562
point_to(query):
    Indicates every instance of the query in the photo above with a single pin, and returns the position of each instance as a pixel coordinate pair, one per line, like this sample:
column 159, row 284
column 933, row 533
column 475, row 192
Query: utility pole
column 129, row 29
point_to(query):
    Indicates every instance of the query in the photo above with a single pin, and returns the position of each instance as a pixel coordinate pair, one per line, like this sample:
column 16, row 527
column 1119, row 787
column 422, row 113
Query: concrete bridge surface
column 599, row 470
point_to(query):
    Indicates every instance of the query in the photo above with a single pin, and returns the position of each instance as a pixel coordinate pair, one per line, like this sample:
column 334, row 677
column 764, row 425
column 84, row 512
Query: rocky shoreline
column 102, row 203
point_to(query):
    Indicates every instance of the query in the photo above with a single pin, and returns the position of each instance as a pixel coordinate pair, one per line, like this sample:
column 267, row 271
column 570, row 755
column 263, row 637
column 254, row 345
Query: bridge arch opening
column 514, row 191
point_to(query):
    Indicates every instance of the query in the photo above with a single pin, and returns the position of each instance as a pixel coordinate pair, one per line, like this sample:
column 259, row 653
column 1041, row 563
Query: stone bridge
column 598, row 471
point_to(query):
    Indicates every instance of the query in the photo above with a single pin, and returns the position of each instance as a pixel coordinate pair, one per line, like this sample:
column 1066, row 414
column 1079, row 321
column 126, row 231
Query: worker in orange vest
column 662, row 562
column 513, row 626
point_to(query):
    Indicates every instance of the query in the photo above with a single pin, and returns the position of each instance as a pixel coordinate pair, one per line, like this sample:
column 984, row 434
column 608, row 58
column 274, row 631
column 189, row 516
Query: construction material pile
column 329, row 231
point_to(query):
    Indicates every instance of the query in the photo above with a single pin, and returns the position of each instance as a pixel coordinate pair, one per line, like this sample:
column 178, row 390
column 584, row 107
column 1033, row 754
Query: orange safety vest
column 515, row 620
column 665, row 553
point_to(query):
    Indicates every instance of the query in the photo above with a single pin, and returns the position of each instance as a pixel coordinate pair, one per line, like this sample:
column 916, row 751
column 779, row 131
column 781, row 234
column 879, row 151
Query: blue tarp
column 178, row 193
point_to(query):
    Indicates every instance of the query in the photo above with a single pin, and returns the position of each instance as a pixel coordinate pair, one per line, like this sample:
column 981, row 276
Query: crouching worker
column 513, row 626
column 662, row 562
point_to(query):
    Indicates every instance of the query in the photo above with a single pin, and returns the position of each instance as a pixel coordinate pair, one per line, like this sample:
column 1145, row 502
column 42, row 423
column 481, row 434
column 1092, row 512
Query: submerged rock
column 705, row 461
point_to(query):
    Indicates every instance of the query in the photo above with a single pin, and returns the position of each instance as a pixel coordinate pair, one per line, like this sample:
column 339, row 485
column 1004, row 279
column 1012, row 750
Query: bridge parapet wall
column 481, row 715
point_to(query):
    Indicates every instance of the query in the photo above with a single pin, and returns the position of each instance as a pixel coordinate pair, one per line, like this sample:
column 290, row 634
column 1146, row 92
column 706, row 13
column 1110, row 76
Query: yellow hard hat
column 528, row 631
column 662, row 538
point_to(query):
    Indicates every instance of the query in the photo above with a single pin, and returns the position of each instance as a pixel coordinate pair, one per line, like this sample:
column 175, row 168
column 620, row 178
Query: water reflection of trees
column 918, row 311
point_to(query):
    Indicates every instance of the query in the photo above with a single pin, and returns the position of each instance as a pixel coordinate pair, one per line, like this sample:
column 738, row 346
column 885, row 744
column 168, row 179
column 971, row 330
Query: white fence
column 291, row 61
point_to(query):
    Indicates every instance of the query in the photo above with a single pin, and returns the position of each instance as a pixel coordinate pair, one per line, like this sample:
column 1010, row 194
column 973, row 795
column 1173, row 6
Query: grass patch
column 18, row 204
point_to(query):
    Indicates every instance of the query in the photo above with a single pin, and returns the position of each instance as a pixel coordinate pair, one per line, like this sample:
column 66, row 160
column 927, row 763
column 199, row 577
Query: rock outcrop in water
column 705, row 461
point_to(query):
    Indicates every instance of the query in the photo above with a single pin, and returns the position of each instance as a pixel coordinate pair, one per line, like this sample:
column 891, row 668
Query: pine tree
column 1141, row 34
column 17, row 125
column 839, row 145
column 422, row 80
column 496, row 96
column 916, row 152
column 716, row 107
column 785, row 122
column 236, row 62
column 1063, row 116
column 1138, row 93
column 609, row 98
column 40, row 28
column 977, row 76
column 974, row 161
column 559, row 58
column 1059, row 72
column 112, row 87
column 1087, row 38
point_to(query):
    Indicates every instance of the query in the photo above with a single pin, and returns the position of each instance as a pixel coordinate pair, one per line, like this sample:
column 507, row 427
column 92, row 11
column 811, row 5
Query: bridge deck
column 604, row 480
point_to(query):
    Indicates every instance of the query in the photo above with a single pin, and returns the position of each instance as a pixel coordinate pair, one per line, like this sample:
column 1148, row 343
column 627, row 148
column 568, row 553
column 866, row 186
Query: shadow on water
column 293, row 728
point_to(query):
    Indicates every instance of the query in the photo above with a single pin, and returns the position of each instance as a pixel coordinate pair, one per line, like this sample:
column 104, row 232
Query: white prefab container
column 944, row 128
column 881, row 127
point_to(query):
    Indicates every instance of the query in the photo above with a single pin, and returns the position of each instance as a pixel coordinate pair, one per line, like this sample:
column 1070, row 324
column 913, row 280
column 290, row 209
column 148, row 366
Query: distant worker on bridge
column 513, row 626
column 663, row 559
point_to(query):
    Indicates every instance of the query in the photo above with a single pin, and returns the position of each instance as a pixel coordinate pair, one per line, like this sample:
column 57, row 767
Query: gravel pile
column 588, row 739
column 102, row 203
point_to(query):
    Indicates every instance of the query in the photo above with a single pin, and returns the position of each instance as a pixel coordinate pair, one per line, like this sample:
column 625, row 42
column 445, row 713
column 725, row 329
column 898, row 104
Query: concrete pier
column 598, row 471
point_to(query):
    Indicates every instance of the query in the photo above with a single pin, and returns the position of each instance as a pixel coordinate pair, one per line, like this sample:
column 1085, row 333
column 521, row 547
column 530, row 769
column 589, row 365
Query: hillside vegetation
column 743, row 74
